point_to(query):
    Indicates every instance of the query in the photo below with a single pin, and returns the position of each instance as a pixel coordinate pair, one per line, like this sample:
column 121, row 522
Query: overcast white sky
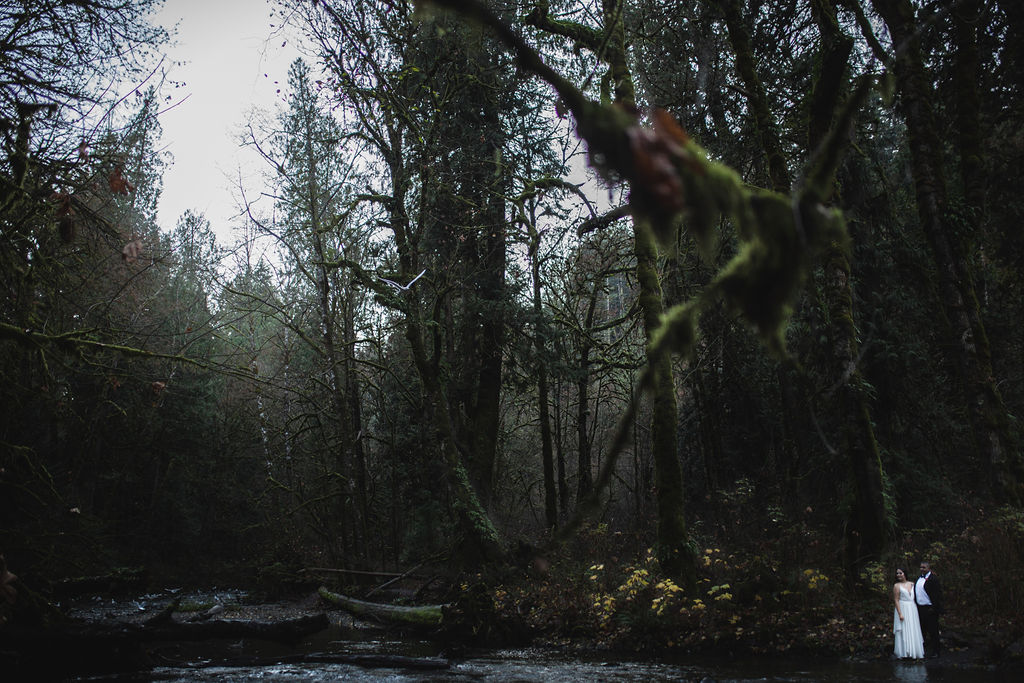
column 233, row 59
column 226, row 47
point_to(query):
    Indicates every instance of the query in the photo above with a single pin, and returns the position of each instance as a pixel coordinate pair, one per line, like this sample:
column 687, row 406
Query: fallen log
column 120, row 579
column 420, row 616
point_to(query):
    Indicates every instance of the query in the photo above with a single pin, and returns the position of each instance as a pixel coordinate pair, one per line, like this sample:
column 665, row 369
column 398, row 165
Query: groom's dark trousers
column 929, row 628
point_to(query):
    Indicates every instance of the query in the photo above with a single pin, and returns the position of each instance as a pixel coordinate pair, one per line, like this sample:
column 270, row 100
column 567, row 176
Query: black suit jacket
column 934, row 590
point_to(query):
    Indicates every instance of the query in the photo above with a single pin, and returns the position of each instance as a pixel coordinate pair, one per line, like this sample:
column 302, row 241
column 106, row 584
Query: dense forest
column 625, row 315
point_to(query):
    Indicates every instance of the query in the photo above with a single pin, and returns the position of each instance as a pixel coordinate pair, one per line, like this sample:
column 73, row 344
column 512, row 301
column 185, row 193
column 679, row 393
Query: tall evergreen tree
column 969, row 343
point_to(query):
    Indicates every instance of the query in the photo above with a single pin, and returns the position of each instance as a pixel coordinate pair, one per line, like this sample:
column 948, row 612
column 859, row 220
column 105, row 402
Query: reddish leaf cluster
column 118, row 183
column 131, row 251
column 65, row 215
column 656, row 153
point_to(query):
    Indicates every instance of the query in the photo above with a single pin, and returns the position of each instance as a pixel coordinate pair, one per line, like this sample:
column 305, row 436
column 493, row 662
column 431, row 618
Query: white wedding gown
column 909, row 641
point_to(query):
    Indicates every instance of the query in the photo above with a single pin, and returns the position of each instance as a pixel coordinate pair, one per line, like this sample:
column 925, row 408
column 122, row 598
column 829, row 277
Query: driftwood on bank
column 124, row 578
column 418, row 616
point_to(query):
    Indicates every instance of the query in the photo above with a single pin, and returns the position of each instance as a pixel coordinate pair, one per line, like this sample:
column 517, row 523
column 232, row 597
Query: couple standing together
column 918, row 605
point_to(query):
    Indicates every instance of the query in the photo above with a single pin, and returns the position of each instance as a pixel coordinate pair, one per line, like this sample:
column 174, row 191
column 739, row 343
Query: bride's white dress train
column 909, row 641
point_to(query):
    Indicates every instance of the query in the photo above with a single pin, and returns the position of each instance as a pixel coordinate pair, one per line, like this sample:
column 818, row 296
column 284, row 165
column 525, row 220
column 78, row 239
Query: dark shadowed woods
column 648, row 324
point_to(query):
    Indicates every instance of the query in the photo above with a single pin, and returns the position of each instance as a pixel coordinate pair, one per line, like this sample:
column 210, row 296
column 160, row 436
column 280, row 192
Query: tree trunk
column 563, row 482
column 674, row 550
column 794, row 406
column 584, row 464
column 764, row 123
column 710, row 430
column 483, row 543
column 539, row 343
column 866, row 530
column 866, row 536
column 353, row 392
column 969, row 344
column 334, row 361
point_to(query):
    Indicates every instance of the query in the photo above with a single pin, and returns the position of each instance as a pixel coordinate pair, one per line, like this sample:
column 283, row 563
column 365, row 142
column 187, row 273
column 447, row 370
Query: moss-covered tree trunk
column 866, row 532
column 444, row 204
column 464, row 228
column 584, row 458
column 482, row 543
column 794, row 407
column 540, row 337
column 866, row 536
column 353, row 392
column 486, row 279
column 543, row 399
column 965, row 16
column 674, row 550
column 968, row 340
column 766, row 130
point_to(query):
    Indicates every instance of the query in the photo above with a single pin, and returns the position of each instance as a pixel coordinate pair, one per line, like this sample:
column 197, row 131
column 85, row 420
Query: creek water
column 341, row 654
column 523, row 665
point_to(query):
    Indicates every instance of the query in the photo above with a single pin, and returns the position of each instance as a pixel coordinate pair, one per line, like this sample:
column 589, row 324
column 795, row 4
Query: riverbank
column 525, row 622
column 533, row 620
column 606, row 595
column 744, row 604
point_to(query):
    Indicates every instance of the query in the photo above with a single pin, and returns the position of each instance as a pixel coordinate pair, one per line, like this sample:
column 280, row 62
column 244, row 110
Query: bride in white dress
column 906, row 623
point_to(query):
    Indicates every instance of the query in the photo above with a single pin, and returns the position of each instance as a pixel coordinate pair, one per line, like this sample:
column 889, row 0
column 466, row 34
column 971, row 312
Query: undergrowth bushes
column 749, row 601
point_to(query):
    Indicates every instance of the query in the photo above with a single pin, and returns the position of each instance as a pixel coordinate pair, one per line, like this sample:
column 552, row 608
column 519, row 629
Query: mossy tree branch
column 77, row 341
column 673, row 181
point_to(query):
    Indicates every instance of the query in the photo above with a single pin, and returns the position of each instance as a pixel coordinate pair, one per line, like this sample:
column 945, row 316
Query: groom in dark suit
column 928, row 595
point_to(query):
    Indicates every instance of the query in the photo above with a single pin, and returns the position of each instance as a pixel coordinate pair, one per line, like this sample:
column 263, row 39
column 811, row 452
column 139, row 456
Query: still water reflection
column 526, row 665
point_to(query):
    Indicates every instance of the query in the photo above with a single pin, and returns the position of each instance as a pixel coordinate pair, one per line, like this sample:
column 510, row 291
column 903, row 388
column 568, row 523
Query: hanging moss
column 673, row 184
column 778, row 242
